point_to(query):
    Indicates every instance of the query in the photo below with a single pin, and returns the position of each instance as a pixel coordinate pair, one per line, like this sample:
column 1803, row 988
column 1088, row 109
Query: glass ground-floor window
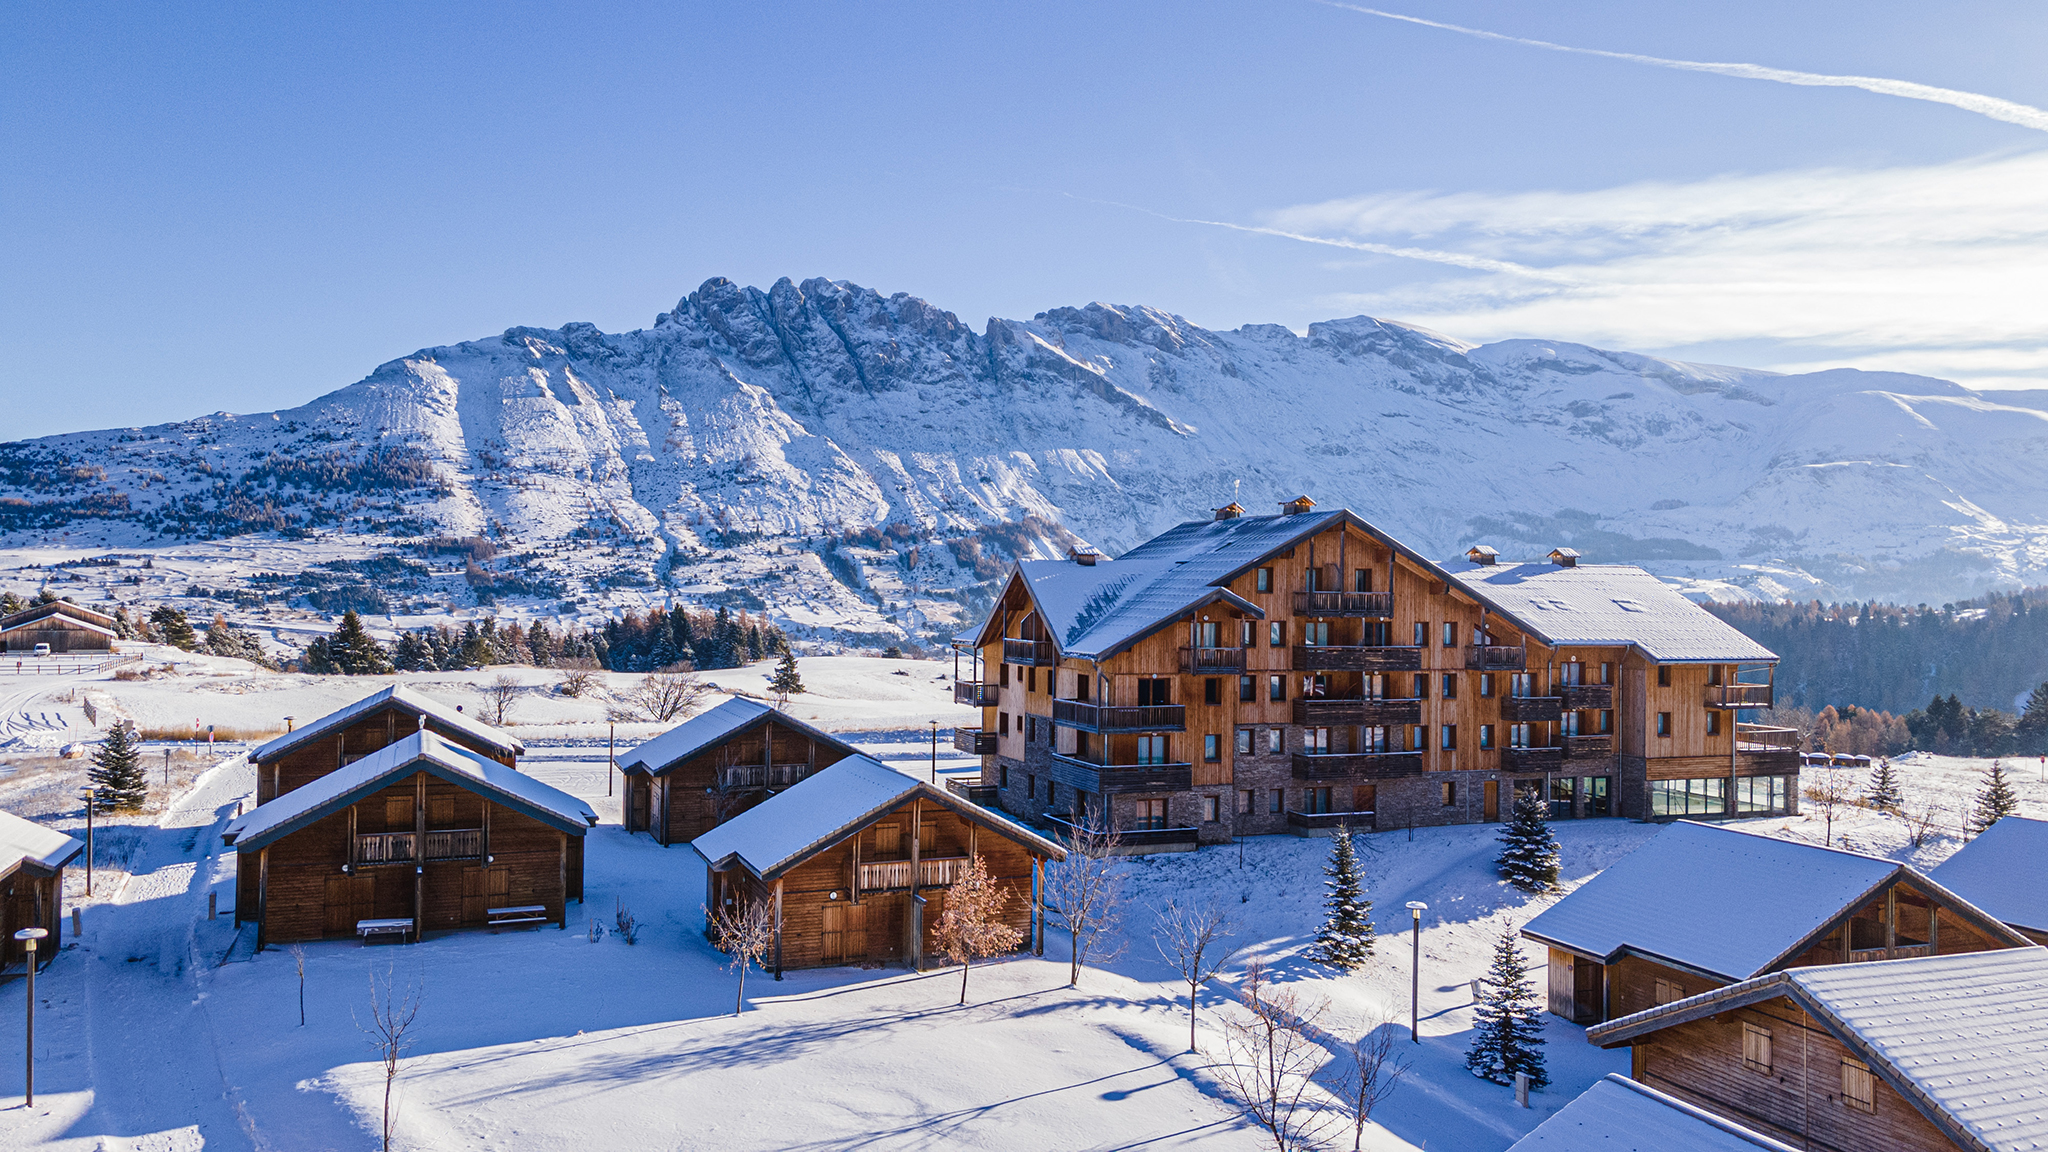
column 1150, row 814
column 1315, row 800
column 1561, row 797
column 1701, row 797
column 1594, row 789
column 1760, row 796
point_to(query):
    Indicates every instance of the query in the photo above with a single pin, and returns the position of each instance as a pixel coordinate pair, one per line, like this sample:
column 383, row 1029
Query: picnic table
column 400, row 927
column 523, row 914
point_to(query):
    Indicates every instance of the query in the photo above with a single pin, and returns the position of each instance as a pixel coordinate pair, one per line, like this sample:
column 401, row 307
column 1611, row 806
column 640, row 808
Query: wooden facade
column 683, row 798
column 299, row 758
column 32, row 863
column 64, row 626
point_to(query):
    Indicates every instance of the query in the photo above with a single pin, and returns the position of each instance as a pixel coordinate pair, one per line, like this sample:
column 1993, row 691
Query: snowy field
column 159, row 1031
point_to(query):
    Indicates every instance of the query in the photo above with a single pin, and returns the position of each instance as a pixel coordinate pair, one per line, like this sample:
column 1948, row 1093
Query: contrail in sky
column 2024, row 115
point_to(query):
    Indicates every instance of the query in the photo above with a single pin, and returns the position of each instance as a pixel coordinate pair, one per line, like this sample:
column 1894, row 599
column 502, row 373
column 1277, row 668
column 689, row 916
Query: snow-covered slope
column 864, row 464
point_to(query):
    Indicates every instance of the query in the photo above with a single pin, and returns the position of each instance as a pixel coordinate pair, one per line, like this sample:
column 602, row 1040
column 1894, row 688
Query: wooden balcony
column 1212, row 661
column 1355, row 765
column 974, row 695
column 1901, row 952
column 1322, row 710
column 1532, row 709
column 739, row 777
column 1030, row 653
column 894, row 875
column 974, row 741
column 1589, row 747
column 1323, row 821
column 973, row 790
column 1584, row 697
column 1362, row 605
column 396, row 847
column 1356, row 658
column 1765, row 738
column 1117, row 718
column 1532, row 759
column 1738, row 695
column 1130, row 841
column 1496, row 657
column 1115, row 779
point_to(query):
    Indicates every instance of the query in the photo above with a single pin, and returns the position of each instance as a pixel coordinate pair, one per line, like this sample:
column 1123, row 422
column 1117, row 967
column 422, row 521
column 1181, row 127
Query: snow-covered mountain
column 864, row 464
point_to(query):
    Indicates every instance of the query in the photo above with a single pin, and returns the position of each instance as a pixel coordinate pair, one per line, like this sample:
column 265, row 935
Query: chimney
column 1481, row 554
column 1565, row 557
column 1230, row 511
column 1297, row 506
column 1083, row 555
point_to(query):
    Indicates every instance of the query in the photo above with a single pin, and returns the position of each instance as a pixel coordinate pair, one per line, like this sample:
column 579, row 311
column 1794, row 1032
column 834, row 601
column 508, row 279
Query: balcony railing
column 938, row 872
column 1129, row 840
column 1355, row 765
column 1765, row 738
column 1119, row 718
column 974, row 741
column 1373, row 713
column 1113, row 779
column 975, row 695
column 1370, row 605
column 1211, row 661
column 1494, row 657
column 396, row 847
column 1533, row 759
column 1589, row 747
column 1901, row 952
column 1738, row 695
column 1033, row 653
column 1317, row 821
column 739, row 776
column 971, row 788
column 1356, row 658
column 1584, row 697
column 1532, row 709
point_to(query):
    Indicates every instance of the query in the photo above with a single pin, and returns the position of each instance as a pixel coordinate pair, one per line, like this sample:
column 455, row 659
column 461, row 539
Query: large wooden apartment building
column 1254, row 674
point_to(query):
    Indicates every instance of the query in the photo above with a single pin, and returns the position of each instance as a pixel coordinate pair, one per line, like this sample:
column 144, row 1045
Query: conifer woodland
column 1508, row 1035
column 1345, row 940
column 661, row 640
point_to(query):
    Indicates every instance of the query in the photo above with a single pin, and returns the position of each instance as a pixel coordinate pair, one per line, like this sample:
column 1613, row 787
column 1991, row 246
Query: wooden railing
column 396, row 847
column 383, row 847
column 974, row 741
column 1111, row 779
column 1493, row 657
column 1355, row 765
column 1738, row 695
column 1533, row 759
column 1589, row 747
column 973, row 694
column 761, row 775
column 1531, row 709
column 1029, row 652
column 1370, row 711
column 1118, row 718
column 1344, row 604
column 1357, row 658
column 1211, row 661
column 1579, row 697
column 938, row 872
column 1764, row 738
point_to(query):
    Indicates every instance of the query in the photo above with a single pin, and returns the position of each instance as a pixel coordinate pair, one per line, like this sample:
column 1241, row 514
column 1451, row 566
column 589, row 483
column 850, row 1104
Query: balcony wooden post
column 419, row 854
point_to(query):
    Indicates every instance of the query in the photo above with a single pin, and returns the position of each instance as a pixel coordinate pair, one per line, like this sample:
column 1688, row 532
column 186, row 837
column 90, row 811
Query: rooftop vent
column 1565, row 557
column 1230, row 511
column 1297, row 506
column 1481, row 554
column 1083, row 555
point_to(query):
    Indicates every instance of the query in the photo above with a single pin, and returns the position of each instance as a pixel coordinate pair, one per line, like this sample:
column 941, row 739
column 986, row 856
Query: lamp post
column 28, row 938
column 91, row 797
column 1415, row 909
column 935, row 753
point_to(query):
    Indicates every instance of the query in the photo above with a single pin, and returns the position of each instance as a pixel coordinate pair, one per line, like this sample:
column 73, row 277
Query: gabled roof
column 1619, row 1115
column 825, row 808
column 405, row 700
column 2000, row 872
column 419, row 752
column 25, row 842
column 1607, row 604
column 1963, row 1037
column 715, row 726
column 82, row 617
column 1724, row 903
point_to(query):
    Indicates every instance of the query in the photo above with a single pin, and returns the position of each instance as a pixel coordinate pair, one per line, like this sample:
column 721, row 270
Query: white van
column 42, row 649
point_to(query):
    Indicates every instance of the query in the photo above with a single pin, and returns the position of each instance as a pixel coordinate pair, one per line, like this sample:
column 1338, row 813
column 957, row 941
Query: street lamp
column 935, row 753
column 91, row 794
column 1415, row 909
column 28, row 938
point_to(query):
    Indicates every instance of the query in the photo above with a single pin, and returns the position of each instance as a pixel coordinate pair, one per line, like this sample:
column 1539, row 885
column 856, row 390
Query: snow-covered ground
column 158, row 1031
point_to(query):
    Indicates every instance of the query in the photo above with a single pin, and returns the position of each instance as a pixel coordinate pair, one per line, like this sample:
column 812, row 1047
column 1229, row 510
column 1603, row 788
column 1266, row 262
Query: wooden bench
column 524, row 914
column 400, row 927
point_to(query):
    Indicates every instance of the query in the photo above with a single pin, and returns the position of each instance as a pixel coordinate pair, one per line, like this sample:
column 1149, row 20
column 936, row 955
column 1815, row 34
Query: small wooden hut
column 697, row 775
column 420, row 835
column 857, row 860
column 345, row 736
column 32, row 862
column 64, row 626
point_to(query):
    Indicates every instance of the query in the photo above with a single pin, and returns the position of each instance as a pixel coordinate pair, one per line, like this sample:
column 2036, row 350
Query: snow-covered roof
column 718, row 724
column 73, row 614
column 825, row 807
column 27, row 842
column 2000, row 870
column 1619, row 1115
column 398, row 696
column 1963, row 1037
column 1618, row 604
column 1713, row 899
column 419, row 752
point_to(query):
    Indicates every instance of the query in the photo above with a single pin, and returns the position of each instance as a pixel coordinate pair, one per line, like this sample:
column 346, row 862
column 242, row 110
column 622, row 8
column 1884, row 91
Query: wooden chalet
column 1702, row 906
column 2001, row 871
column 64, row 626
column 32, row 862
column 857, row 859
column 1252, row 674
column 421, row 835
column 378, row 720
column 1619, row 1115
column 701, row 773
column 1922, row 1055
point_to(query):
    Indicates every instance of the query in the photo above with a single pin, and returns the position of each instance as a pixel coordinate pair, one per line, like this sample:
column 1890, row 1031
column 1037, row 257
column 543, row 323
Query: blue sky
column 207, row 207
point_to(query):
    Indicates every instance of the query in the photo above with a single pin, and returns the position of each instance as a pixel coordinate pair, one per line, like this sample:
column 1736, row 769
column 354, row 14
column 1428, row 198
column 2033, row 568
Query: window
column 1208, row 634
column 1450, row 793
column 1247, row 688
column 1663, row 675
column 1155, row 690
column 1245, row 798
column 1594, row 789
column 1422, row 685
column 1605, row 720
column 1361, row 580
column 1663, row 723
column 1276, row 634
column 1002, row 723
column 1422, row 633
column 1315, row 741
column 1572, row 672
column 1315, row 801
column 1859, row 1087
column 1212, row 810
column 1521, row 685
column 1607, row 673
column 1278, row 803
column 1003, row 675
column 1756, row 1048
column 1485, row 737
column 1450, row 737
column 1212, row 747
column 1247, row 633
column 1316, row 634
column 1418, row 738
column 1666, row 992
column 1760, row 796
column 1713, row 723
column 1568, row 724
column 1030, row 728
column 1315, row 687
column 1212, row 691
column 1375, row 686
column 1031, row 679
column 1152, row 749
column 1372, row 739
column 1081, row 685
column 1714, row 675
column 1486, row 683
column 1265, row 580
column 1276, row 741
column 1561, row 797
column 1698, row 797
column 1450, row 634
column 1031, row 787
column 1276, row 687
column 1150, row 814
column 1376, row 634
column 1244, row 741
column 1518, row 735
column 1003, row 777
column 1450, row 686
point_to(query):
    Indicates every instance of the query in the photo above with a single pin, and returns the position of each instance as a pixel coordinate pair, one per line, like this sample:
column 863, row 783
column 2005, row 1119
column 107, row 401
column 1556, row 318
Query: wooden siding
column 30, row 898
column 687, row 800
column 308, row 762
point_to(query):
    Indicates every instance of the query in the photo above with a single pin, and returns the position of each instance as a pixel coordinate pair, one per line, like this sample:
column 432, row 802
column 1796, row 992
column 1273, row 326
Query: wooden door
column 856, row 932
column 348, row 899
column 497, row 887
column 473, row 904
column 1586, row 989
column 1492, row 801
column 832, row 944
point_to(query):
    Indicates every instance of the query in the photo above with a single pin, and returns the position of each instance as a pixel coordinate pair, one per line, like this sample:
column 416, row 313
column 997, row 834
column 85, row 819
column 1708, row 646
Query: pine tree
column 1884, row 792
column 1996, row 801
column 174, row 628
column 1345, row 940
column 2032, row 728
column 10, row 604
column 786, row 682
column 117, row 772
column 1528, row 854
column 353, row 651
column 1508, row 1037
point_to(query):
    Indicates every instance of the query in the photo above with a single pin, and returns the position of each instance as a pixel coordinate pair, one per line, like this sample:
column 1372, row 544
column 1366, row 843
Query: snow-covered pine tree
column 1884, row 794
column 786, row 682
column 1528, row 853
column 1996, row 801
column 1508, row 1037
column 174, row 628
column 1346, row 937
column 116, row 772
column 352, row 650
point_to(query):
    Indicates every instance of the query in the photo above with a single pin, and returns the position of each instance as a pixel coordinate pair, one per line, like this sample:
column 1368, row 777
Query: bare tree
column 499, row 696
column 392, row 1012
column 1922, row 818
column 1192, row 940
column 972, row 923
column 1829, row 792
column 745, row 932
column 1270, row 1060
column 298, row 954
column 1800, row 720
column 660, row 697
column 577, row 682
column 1085, row 894
column 1374, row 1073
